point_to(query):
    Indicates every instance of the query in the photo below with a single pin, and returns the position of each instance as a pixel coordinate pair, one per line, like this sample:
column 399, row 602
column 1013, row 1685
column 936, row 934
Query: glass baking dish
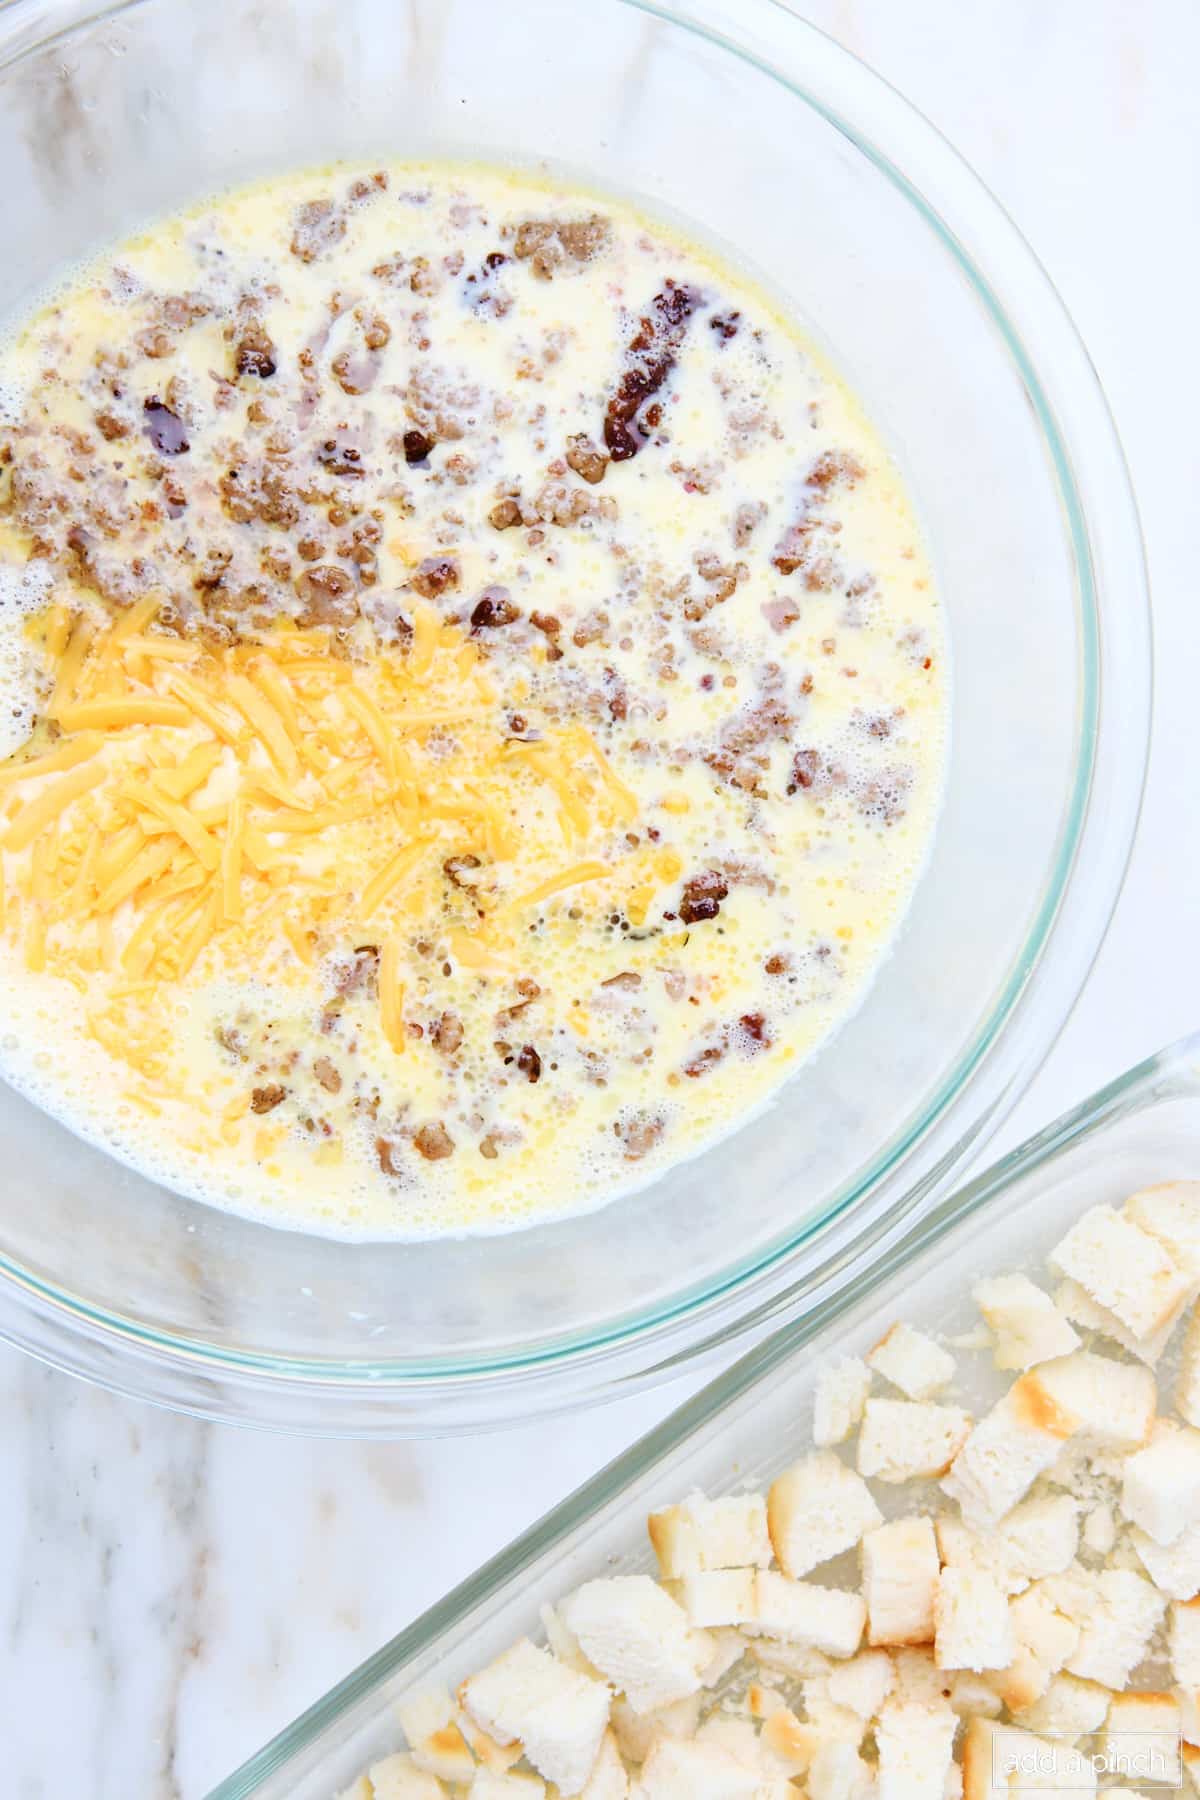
column 747, row 1425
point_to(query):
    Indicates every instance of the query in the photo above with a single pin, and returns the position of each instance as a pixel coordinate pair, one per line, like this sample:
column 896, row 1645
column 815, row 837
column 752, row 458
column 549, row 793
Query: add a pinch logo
column 1023, row 1760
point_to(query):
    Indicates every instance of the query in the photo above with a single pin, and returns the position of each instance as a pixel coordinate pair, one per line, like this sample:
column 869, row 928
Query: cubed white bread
column 558, row 1715
column 841, row 1393
column 838, row 1772
column 953, row 1786
column 1189, row 1714
column 717, row 1597
column 791, row 1741
column 972, row 1694
column 762, row 1700
column 1113, row 1403
column 737, row 1737
column 397, row 1778
column 1117, row 1612
column 1141, row 1737
column 1173, row 1568
column 1045, row 1639
column 915, row 1744
column 1187, row 1386
column 1037, row 1538
column 1010, row 1447
column 1075, row 1303
column 909, row 1440
column 636, row 1733
column 817, row 1509
column 832, row 1720
column 862, row 1684
column 693, row 1771
column 981, row 1778
column 1171, row 1213
column 802, row 1612
column 727, row 1533
column 780, row 1658
column 1026, row 1326
column 564, row 1643
column 429, row 1721
column 1123, row 1268
column 485, row 1749
column 1183, row 1640
column 900, row 1574
column 971, row 1623
column 1099, row 1532
column 917, row 1676
column 1069, row 1708
column 914, row 1363
column 494, row 1784
column 639, row 1638
column 1160, row 1487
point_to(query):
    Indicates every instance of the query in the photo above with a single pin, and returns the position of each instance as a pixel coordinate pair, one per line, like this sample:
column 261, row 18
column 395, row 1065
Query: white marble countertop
column 171, row 1593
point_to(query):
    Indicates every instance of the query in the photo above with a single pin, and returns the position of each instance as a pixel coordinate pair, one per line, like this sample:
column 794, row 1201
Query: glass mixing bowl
column 751, row 126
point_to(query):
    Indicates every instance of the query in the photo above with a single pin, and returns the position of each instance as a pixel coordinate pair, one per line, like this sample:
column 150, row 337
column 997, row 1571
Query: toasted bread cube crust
column 900, row 1575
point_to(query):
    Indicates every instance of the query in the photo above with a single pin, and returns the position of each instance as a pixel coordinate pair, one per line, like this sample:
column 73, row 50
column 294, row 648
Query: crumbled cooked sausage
column 164, row 428
column 266, row 1099
column 493, row 609
column 110, row 426
column 704, row 1060
column 341, row 457
column 329, row 597
column 778, row 964
column 640, row 1134
column 254, row 353
column 434, row 575
column 361, row 974
column 530, row 1063
column 807, row 769
column 388, row 1154
column 448, row 1033
column 551, row 244
column 627, row 979
column 417, row 445
column 434, row 1141
column 317, row 226
column 327, row 1074
column 504, row 515
column 455, row 869
column 651, row 357
column 746, row 520
column 725, row 325
column 489, row 1148
column 754, row 1027
column 780, row 612
column 702, row 897
column 586, row 458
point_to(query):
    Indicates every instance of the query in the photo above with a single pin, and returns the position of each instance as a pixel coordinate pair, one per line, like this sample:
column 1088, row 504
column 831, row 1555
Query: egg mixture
column 473, row 700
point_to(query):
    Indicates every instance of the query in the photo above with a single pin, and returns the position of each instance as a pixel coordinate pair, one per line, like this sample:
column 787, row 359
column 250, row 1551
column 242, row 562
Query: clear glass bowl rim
column 1115, row 699
column 1174, row 1070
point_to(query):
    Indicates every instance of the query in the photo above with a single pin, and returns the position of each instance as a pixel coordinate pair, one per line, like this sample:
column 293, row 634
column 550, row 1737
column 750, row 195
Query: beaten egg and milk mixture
column 474, row 700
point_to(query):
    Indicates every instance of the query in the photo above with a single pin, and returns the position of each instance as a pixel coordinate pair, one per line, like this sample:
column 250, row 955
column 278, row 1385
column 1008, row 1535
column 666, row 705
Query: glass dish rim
column 177, row 1356
column 1173, row 1070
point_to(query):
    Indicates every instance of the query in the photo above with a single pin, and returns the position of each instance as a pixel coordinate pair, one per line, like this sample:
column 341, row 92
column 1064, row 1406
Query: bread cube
column 718, row 1597
column 1160, row 1488
column 838, row 1772
column 1099, row 1532
column 817, row 1509
column 900, row 1576
column 1045, row 1639
column 826, row 1619
column 681, row 1771
column 429, row 1721
column 636, row 1733
column 1002, row 1759
column 398, row 1778
column 1173, row 1568
column 1141, row 1739
column 863, row 1684
column 972, row 1695
column 1112, row 1403
column 1026, row 1326
column 909, row 1440
column 1171, row 1213
column 1068, row 1709
column 1123, row 1268
column 1117, row 1612
column 1010, row 1447
column 728, row 1533
column 972, row 1628
column 639, row 1638
column 1077, row 1304
column 557, row 1715
column 841, row 1393
column 915, row 1743
column 912, row 1362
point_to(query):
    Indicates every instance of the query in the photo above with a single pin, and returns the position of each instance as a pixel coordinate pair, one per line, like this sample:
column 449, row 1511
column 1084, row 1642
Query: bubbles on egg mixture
column 23, row 592
column 12, row 401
